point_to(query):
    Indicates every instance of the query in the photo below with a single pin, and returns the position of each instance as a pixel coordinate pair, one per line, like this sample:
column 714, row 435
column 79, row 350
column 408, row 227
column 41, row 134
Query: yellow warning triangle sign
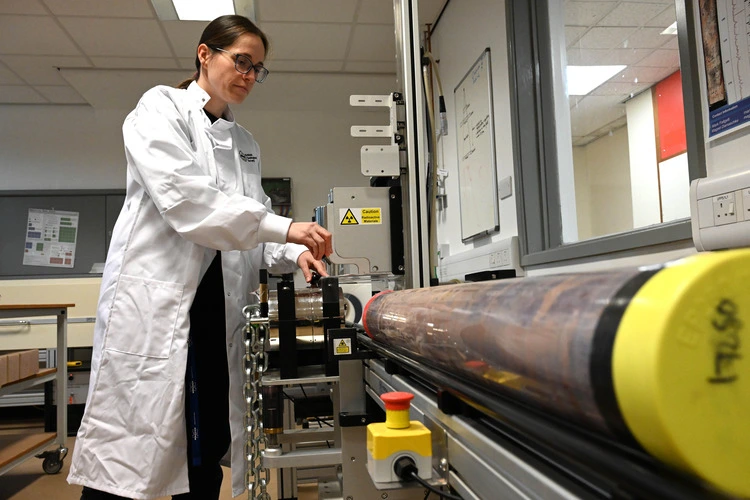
column 349, row 218
column 342, row 348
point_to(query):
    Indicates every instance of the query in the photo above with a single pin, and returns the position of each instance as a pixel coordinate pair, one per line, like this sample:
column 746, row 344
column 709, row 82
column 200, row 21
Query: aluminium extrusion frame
column 476, row 467
column 414, row 167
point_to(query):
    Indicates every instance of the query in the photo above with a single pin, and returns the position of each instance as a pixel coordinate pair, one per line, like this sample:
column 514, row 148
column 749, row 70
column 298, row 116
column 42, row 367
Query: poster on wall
column 725, row 30
column 50, row 238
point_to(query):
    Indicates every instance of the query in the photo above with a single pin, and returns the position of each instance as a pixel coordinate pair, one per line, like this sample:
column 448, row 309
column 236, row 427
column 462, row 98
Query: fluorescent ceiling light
column 201, row 10
column 584, row 79
column 671, row 29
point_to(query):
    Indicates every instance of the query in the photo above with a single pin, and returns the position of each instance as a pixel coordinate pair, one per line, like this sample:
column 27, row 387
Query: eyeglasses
column 244, row 65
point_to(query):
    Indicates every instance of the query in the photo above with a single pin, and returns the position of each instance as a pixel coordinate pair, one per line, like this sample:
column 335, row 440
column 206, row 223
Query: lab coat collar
column 225, row 121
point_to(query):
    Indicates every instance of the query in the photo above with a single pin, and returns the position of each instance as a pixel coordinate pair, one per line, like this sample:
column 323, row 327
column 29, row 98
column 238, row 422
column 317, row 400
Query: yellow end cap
column 384, row 442
column 680, row 377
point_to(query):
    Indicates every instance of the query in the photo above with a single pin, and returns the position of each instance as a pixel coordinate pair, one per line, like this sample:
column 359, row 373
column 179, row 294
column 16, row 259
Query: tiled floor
column 29, row 482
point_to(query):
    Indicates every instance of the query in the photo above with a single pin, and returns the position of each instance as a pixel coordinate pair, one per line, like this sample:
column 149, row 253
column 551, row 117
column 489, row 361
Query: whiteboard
column 476, row 151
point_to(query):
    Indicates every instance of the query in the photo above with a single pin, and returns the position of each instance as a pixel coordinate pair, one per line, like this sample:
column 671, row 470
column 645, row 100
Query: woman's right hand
column 313, row 236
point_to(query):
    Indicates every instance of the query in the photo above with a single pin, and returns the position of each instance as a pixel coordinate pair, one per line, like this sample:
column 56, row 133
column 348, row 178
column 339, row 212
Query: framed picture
column 279, row 189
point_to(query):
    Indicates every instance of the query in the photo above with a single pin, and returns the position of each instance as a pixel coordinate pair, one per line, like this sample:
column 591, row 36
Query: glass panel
column 621, row 144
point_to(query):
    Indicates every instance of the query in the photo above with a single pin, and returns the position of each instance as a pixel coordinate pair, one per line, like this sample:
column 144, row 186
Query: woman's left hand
column 307, row 262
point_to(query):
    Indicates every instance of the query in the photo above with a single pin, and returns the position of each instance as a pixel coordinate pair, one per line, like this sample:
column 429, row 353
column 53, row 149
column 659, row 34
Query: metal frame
column 486, row 468
column 414, row 196
column 535, row 156
column 61, row 375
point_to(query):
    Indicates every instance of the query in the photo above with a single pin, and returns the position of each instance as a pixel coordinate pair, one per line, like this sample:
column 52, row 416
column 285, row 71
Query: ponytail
column 186, row 83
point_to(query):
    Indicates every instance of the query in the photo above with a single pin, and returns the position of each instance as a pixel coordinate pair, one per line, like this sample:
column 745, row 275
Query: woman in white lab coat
column 187, row 247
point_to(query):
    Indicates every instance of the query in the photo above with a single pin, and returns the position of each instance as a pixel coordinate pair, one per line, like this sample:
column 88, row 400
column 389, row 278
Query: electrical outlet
column 725, row 211
column 720, row 210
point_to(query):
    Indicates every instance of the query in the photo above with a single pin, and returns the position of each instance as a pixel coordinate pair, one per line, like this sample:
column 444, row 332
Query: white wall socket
column 720, row 210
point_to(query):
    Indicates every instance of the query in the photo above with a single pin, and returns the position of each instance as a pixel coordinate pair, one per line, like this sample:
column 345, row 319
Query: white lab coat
column 192, row 188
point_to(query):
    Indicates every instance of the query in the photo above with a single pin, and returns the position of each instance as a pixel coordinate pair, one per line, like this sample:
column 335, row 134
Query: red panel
column 670, row 117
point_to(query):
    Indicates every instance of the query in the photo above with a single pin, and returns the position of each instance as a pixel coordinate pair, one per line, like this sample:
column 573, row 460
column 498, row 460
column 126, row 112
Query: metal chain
column 256, row 363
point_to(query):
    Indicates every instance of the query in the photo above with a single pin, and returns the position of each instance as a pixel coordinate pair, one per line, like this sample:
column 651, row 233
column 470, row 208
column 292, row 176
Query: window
column 607, row 167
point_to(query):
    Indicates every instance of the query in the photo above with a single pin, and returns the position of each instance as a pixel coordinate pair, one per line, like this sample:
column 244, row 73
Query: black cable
column 406, row 470
column 320, row 422
column 432, row 488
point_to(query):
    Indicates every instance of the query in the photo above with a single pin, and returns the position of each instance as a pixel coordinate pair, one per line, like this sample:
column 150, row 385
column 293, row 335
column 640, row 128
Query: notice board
column 476, row 151
column 96, row 210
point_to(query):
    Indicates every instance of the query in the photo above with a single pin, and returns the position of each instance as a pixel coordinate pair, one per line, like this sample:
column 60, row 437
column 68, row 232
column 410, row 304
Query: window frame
column 534, row 139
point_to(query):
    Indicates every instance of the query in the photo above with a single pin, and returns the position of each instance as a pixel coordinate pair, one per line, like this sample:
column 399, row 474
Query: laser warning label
column 344, row 347
column 360, row 216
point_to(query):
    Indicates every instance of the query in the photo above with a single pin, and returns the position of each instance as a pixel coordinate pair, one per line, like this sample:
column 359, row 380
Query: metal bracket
column 377, row 160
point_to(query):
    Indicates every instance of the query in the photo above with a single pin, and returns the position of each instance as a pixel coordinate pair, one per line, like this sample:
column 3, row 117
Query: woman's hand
column 306, row 262
column 313, row 236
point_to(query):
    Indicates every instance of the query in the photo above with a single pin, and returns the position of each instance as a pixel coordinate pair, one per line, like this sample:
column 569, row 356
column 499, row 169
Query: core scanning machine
column 621, row 384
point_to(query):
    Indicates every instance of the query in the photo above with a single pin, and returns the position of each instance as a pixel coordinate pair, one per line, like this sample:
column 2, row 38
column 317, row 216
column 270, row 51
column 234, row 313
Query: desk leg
column 62, row 376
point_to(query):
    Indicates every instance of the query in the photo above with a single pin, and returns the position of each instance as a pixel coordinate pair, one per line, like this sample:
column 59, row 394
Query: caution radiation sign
column 360, row 216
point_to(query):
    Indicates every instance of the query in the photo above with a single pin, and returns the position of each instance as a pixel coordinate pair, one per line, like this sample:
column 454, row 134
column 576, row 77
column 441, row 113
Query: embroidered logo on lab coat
column 248, row 157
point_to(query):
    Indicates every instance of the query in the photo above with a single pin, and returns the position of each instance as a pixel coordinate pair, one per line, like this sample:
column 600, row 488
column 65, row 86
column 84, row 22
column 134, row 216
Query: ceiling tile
column 672, row 43
column 646, row 38
column 372, row 42
column 304, row 66
column 594, row 112
column 573, row 33
column 626, row 56
column 7, row 77
column 586, row 13
column 387, row 68
column 311, row 11
column 42, row 70
column 622, row 89
column 184, row 36
column 135, row 62
column 34, row 35
column 98, row 8
column 19, row 94
column 330, row 40
column 645, row 75
column 188, row 64
column 22, row 7
column 665, row 19
column 378, row 12
column 604, row 38
column 60, row 94
column 586, row 57
column 117, row 37
column 662, row 58
column 632, row 14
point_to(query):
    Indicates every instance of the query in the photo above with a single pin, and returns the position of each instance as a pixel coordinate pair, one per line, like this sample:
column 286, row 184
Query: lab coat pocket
column 143, row 317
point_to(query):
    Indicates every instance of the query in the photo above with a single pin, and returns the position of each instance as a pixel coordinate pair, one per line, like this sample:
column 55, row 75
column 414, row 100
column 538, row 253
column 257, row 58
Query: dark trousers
column 208, row 338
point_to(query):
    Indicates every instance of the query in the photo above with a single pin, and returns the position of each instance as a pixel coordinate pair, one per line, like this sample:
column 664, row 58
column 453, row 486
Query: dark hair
column 223, row 32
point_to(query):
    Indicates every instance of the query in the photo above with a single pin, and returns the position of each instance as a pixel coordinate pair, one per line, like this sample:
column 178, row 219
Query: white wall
column 602, row 175
column 642, row 141
column 465, row 29
column 78, row 147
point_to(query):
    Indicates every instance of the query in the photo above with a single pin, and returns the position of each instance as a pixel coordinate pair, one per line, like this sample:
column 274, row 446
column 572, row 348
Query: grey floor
column 29, row 482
